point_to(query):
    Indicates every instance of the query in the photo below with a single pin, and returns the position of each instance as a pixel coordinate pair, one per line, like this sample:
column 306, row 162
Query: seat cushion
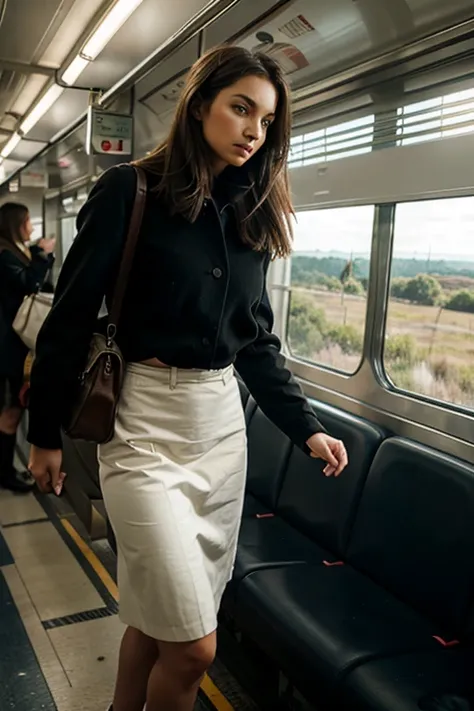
column 320, row 622
column 253, row 506
column 271, row 542
column 266, row 543
column 398, row 683
column 414, row 531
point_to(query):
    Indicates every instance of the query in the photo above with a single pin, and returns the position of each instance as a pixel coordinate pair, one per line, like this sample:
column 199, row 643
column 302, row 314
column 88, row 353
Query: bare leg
column 176, row 676
column 138, row 654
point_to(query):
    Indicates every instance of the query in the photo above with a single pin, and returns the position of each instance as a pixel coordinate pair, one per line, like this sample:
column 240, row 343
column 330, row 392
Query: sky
column 443, row 227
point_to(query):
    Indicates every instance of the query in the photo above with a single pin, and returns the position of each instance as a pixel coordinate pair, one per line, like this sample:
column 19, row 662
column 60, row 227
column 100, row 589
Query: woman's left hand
column 331, row 450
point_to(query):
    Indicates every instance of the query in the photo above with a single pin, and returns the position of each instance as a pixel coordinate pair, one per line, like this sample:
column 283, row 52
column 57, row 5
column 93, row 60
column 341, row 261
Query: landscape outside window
column 329, row 279
column 429, row 339
column 429, row 345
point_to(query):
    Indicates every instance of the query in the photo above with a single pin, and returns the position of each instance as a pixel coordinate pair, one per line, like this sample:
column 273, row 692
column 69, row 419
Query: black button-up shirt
column 196, row 299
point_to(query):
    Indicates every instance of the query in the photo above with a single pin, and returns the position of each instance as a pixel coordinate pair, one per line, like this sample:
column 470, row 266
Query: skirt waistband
column 173, row 375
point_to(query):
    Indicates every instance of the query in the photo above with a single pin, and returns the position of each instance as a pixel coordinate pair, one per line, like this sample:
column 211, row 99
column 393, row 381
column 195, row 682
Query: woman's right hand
column 45, row 467
column 47, row 245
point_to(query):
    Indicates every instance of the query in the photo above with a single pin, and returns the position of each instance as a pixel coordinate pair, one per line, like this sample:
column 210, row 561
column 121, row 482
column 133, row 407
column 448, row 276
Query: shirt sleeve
column 21, row 278
column 86, row 275
column 262, row 368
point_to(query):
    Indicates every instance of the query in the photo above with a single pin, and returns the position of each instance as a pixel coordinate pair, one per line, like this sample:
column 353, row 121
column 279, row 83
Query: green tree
column 353, row 286
column 398, row 287
column 461, row 301
column 347, row 338
column 423, row 289
column 307, row 327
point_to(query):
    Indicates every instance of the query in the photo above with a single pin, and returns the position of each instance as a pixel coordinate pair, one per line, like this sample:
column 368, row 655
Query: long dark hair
column 183, row 162
column 13, row 215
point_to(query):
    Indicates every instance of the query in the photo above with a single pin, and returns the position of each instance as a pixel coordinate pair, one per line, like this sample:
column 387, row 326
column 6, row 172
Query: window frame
column 325, row 366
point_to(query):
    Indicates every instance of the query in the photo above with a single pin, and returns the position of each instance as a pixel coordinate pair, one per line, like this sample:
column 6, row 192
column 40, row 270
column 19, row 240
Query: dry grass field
column 442, row 341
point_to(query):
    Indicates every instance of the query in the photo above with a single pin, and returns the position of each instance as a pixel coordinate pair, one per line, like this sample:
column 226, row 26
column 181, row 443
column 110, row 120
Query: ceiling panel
column 9, row 167
column 46, row 38
column 26, row 26
column 234, row 21
column 434, row 13
column 316, row 38
column 155, row 98
column 26, row 150
column 313, row 39
column 149, row 26
column 80, row 15
column 32, row 86
column 70, row 105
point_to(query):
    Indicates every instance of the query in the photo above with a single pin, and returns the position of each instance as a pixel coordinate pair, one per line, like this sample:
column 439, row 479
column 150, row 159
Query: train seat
column 400, row 683
column 406, row 585
column 293, row 513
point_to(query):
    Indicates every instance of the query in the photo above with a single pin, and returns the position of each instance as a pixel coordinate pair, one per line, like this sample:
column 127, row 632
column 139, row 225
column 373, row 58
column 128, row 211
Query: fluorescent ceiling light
column 44, row 104
column 10, row 146
column 109, row 26
column 76, row 68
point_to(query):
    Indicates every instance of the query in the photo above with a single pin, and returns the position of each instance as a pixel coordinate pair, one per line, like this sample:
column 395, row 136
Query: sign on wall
column 31, row 178
column 109, row 133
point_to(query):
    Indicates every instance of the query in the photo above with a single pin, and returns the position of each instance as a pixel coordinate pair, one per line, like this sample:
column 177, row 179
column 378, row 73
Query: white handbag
column 30, row 317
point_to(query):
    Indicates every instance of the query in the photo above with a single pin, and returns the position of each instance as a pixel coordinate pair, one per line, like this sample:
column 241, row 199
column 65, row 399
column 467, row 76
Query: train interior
column 352, row 594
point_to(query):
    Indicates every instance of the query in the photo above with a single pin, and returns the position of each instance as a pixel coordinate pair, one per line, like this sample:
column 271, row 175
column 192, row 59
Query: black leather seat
column 399, row 683
column 324, row 507
column 320, row 622
column 312, row 513
column 414, row 532
column 268, row 452
column 407, row 586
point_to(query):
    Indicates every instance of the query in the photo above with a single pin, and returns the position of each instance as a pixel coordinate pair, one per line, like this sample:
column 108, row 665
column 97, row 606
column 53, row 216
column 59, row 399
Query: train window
column 329, row 277
column 441, row 117
column 429, row 342
column 345, row 139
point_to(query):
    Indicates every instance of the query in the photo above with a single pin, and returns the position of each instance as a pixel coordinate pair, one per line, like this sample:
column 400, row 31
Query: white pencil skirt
column 173, row 481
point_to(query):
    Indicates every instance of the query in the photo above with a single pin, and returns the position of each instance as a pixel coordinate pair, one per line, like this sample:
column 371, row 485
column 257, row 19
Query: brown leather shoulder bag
column 93, row 413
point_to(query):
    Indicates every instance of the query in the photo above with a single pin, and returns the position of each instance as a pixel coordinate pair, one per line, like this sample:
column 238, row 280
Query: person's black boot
column 10, row 478
column 445, row 702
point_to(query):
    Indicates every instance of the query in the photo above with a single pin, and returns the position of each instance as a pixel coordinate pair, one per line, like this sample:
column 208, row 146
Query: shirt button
column 217, row 273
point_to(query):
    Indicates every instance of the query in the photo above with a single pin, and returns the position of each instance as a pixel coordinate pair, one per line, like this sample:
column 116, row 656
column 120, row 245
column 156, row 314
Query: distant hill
column 332, row 264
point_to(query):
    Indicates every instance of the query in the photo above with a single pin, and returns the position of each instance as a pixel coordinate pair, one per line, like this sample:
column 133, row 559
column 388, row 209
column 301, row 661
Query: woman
column 23, row 271
column 173, row 477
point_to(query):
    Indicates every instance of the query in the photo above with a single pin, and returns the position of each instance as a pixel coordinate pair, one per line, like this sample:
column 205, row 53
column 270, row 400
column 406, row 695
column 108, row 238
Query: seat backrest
column 244, row 392
column 268, row 451
column 414, row 530
column 324, row 507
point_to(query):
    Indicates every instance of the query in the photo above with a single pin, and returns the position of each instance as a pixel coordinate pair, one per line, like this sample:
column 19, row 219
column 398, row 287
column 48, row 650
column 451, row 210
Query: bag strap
column 128, row 253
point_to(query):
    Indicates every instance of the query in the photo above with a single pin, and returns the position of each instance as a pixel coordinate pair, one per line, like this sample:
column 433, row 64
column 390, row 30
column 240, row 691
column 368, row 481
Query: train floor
column 59, row 627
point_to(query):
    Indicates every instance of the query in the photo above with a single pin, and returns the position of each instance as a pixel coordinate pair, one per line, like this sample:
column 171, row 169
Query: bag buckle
column 111, row 333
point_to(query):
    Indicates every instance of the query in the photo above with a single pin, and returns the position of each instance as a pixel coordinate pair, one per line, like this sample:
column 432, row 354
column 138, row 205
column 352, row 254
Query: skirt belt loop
column 173, row 378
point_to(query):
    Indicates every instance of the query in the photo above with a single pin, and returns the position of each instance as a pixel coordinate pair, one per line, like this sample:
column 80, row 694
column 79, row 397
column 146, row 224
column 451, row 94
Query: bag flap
column 99, row 349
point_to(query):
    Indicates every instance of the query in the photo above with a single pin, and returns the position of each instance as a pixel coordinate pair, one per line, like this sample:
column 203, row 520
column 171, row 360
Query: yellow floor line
column 91, row 558
column 214, row 695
